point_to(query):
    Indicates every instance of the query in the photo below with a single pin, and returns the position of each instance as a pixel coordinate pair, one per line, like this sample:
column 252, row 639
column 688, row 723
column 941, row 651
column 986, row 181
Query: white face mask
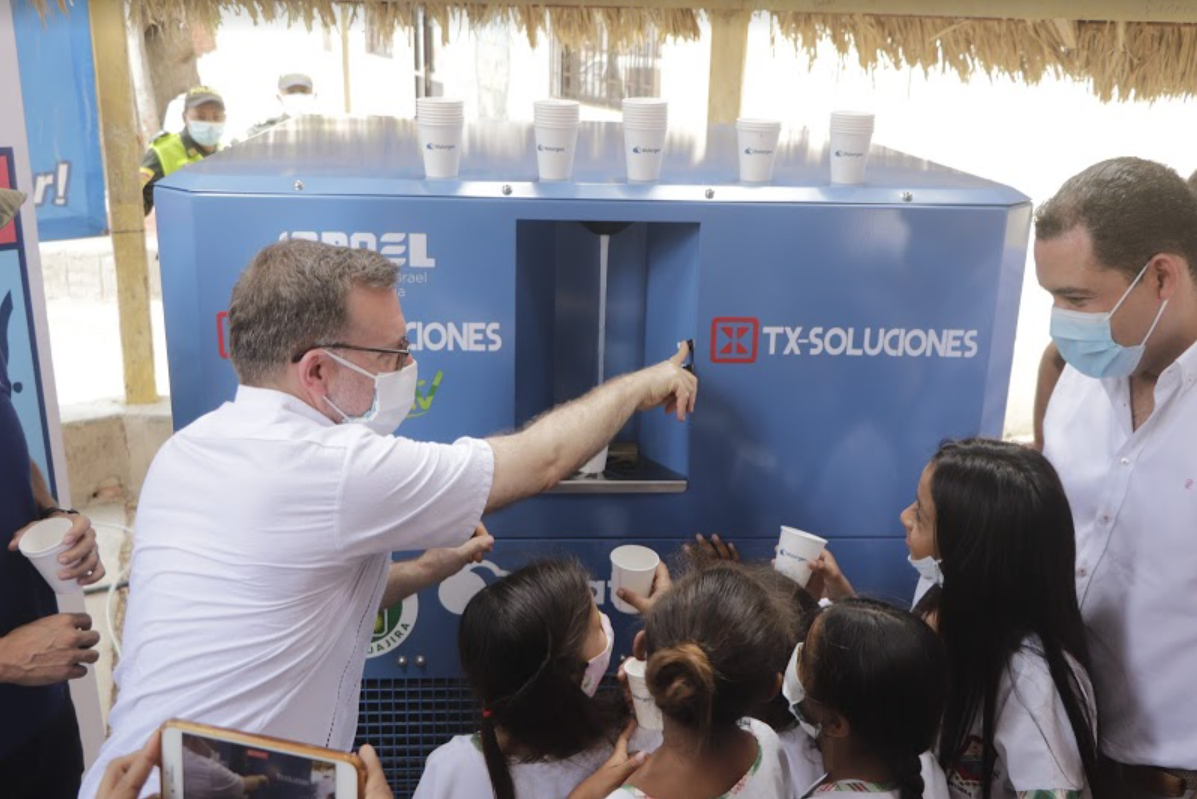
column 792, row 690
column 205, row 134
column 597, row 666
column 928, row 568
column 394, row 395
column 298, row 105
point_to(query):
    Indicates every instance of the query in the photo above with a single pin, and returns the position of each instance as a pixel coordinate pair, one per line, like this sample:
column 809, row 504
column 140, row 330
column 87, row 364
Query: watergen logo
column 752, row 151
column 646, row 150
column 846, row 154
column 546, row 149
column 402, row 249
column 431, row 146
column 744, row 340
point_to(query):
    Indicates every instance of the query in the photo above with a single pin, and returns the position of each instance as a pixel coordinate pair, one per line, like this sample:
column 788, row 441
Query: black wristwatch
column 48, row 512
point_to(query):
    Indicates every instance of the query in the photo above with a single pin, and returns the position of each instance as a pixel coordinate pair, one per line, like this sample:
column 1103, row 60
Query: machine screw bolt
column 506, row 191
column 907, row 197
column 402, row 661
column 710, row 194
column 421, row 661
column 299, row 185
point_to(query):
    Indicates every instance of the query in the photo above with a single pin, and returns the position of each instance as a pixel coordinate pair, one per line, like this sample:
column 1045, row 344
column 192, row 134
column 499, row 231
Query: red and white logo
column 734, row 339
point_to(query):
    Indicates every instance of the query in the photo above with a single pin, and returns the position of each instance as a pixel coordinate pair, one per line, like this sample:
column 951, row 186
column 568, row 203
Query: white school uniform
column 1036, row 748
column 766, row 779
column 850, row 788
column 458, row 770
column 805, row 766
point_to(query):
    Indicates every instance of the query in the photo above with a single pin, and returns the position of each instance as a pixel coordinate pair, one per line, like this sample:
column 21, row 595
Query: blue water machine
column 840, row 333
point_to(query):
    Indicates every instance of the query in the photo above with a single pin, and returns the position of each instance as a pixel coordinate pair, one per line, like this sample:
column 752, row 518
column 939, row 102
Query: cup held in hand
column 42, row 544
column 632, row 567
column 796, row 550
column 648, row 715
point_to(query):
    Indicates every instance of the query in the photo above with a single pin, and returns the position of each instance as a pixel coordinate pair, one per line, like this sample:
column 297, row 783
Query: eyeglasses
column 401, row 354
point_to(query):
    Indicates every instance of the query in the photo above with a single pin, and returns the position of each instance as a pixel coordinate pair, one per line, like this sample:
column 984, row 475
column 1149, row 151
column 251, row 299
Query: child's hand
column 615, row 772
column 826, row 579
column 714, row 550
column 661, row 584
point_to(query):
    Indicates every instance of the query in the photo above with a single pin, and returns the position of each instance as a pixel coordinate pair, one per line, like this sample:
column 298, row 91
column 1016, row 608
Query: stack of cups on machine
column 851, row 134
column 645, row 121
column 757, row 139
column 556, row 137
column 441, row 121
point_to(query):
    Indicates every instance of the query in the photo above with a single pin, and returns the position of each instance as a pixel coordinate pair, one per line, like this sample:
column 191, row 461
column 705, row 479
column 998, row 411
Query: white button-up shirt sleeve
column 397, row 494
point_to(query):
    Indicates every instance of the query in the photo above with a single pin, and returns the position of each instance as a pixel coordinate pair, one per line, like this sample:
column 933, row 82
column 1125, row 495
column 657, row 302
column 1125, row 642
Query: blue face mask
column 1087, row 343
column 205, row 134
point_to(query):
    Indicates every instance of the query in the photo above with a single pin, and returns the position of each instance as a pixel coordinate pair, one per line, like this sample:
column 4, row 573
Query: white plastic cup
column 645, row 123
column 851, row 137
column 648, row 715
column 633, row 568
column 42, row 544
column 441, row 147
column 556, row 146
column 796, row 550
column 757, row 142
column 596, row 465
column 644, row 149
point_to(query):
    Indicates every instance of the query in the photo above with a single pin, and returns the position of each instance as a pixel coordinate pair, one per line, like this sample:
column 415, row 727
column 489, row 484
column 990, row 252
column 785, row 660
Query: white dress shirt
column 264, row 534
column 1134, row 501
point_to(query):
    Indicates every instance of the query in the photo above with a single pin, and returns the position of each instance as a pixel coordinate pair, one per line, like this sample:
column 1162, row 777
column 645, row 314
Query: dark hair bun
column 682, row 680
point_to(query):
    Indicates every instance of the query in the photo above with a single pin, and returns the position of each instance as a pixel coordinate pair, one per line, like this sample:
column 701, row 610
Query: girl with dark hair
column 868, row 685
column 1020, row 718
column 710, row 642
column 991, row 535
column 534, row 647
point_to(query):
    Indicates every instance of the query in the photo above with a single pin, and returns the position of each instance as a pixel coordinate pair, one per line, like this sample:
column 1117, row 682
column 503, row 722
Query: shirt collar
column 255, row 396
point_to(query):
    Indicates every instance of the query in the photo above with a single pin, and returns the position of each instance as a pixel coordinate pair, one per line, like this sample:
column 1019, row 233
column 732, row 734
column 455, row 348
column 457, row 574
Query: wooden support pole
column 345, row 57
column 729, row 52
column 118, row 136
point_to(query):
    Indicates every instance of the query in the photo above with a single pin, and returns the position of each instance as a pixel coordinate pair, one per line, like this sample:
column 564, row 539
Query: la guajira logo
column 393, row 626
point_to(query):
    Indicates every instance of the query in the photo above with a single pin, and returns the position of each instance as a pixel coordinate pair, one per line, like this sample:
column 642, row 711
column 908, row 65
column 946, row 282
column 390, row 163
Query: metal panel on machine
column 841, row 332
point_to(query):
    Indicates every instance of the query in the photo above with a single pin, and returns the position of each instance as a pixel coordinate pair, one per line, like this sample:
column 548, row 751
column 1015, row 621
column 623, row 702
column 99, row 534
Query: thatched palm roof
column 1117, row 46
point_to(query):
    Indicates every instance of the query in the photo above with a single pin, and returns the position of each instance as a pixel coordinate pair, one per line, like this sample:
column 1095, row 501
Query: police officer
column 203, row 111
column 297, row 97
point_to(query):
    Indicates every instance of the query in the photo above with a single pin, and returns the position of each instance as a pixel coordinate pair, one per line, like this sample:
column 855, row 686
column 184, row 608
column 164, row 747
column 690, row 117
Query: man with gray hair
column 265, row 528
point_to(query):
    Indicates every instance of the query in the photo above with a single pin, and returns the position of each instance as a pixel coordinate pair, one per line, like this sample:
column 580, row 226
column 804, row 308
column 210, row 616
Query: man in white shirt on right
column 1117, row 249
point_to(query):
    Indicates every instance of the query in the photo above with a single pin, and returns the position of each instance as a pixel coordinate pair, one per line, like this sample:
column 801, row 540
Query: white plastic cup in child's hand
column 42, row 544
column 633, row 568
column 796, row 551
column 648, row 715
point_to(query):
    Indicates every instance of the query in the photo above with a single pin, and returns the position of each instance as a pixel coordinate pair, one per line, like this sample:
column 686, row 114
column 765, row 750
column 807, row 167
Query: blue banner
column 58, row 88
